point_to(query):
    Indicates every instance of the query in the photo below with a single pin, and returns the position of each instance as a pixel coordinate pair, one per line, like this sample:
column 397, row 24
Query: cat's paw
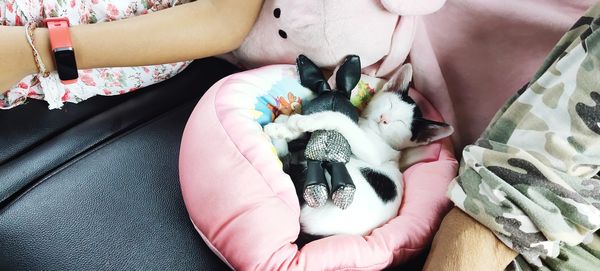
column 280, row 131
column 300, row 123
column 275, row 130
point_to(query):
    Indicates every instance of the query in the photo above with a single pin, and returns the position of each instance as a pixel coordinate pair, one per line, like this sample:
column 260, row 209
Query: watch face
column 66, row 65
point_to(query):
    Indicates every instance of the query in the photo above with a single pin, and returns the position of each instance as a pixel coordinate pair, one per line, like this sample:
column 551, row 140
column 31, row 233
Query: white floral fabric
column 103, row 81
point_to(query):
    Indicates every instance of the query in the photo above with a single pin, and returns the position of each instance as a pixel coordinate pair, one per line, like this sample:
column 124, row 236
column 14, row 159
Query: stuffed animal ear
column 348, row 75
column 426, row 131
column 412, row 7
column 400, row 80
column 311, row 76
column 401, row 44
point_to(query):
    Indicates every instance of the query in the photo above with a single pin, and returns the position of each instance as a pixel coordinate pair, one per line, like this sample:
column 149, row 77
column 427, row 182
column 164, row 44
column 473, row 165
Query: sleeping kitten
column 390, row 122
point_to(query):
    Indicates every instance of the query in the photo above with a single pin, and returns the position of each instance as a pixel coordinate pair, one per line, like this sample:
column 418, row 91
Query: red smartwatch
column 64, row 56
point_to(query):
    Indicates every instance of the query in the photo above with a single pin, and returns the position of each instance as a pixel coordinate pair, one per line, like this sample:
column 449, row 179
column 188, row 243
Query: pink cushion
column 245, row 207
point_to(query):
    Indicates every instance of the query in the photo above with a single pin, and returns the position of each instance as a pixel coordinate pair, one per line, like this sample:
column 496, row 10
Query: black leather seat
column 95, row 186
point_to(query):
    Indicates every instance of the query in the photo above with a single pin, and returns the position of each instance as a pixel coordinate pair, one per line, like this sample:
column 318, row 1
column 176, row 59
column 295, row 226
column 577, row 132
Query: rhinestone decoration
column 343, row 196
column 326, row 145
column 315, row 195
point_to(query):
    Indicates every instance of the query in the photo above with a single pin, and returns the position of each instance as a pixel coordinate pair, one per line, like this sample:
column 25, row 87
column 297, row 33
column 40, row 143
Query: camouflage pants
column 532, row 176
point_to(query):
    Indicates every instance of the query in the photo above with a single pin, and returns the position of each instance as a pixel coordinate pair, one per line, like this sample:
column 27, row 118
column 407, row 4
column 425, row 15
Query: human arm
column 459, row 238
column 194, row 30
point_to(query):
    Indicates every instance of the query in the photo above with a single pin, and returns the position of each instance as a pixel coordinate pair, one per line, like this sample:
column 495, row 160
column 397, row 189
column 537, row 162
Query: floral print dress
column 104, row 81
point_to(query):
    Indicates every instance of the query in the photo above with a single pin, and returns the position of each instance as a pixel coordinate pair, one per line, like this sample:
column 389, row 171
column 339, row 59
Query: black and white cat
column 390, row 122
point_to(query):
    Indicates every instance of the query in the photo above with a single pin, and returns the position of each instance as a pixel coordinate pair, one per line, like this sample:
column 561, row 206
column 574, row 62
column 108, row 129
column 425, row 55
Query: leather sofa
column 95, row 186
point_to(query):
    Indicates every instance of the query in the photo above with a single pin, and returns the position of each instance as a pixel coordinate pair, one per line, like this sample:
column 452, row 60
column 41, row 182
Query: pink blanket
column 478, row 53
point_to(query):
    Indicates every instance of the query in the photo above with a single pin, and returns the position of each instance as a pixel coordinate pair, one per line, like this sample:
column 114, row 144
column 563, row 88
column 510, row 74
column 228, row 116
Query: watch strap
column 59, row 33
column 60, row 42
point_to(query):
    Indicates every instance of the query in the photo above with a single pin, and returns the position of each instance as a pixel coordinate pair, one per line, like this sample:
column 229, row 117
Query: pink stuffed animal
column 381, row 32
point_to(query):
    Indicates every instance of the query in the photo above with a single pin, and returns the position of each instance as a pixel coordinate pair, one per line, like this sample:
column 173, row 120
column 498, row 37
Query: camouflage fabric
column 532, row 176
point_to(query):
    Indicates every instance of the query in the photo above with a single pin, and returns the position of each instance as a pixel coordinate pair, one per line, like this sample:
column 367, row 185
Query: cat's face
column 397, row 119
column 391, row 117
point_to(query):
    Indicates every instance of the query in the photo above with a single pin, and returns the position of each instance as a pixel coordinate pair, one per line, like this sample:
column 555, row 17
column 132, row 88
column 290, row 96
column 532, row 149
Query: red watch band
column 59, row 33
column 60, row 40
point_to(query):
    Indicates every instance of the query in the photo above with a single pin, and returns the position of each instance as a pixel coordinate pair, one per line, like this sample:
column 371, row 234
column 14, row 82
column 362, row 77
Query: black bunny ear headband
column 312, row 78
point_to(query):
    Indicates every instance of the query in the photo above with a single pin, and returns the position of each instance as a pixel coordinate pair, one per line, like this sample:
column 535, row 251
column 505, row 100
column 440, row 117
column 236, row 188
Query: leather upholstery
column 95, row 186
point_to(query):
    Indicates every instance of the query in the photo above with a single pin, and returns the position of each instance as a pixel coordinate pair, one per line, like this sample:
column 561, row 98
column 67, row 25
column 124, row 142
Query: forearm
column 459, row 239
column 194, row 30
column 16, row 58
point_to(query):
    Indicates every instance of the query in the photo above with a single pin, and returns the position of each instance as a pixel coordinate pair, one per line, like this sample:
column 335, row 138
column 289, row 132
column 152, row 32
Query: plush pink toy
column 381, row 32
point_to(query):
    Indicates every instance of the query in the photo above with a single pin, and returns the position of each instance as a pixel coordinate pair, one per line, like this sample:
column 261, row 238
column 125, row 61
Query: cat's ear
column 400, row 80
column 311, row 76
column 426, row 131
column 348, row 75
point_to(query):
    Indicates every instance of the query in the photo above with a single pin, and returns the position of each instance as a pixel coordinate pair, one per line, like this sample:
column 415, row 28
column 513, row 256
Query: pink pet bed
column 245, row 207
